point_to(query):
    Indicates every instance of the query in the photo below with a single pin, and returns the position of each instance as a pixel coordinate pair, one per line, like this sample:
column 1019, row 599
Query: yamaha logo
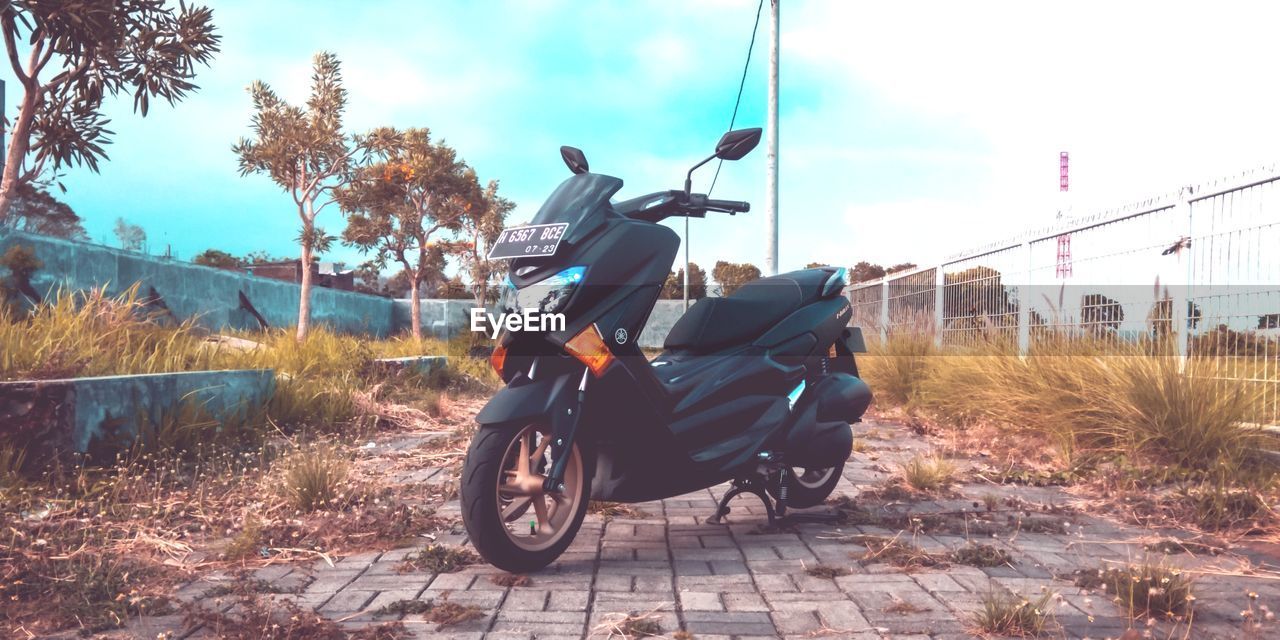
column 620, row 336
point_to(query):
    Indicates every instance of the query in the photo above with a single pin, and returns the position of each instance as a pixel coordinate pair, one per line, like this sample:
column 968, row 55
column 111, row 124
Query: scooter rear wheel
column 807, row 487
column 502, row 482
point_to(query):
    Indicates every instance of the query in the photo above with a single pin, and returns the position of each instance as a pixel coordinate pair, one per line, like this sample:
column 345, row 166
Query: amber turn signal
column 589, row 348
column 498, row 359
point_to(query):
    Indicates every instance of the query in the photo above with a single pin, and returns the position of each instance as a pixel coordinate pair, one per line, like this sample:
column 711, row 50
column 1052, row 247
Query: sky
column 908, row 131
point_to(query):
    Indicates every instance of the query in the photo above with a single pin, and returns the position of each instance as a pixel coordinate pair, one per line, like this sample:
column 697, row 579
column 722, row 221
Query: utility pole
column 771, row 140
column 686, row 263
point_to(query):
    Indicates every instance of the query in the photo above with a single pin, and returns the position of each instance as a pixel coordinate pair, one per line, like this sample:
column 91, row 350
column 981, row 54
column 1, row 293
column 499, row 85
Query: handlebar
column 727, row 206
column 665, row 204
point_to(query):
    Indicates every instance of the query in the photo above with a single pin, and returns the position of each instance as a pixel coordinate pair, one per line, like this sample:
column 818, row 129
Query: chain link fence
column 1198, row 270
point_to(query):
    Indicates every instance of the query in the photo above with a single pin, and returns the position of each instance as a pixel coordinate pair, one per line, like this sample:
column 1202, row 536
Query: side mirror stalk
column 688, row 178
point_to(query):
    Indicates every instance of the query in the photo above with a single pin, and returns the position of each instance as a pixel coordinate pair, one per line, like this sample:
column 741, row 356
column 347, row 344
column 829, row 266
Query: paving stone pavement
column 734, row 581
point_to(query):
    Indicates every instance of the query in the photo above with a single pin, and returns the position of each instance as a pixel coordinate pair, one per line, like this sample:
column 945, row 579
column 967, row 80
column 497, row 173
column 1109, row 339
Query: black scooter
column 758, row 387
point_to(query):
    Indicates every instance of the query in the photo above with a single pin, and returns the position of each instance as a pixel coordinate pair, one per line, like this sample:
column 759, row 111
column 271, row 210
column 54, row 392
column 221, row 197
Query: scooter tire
column 482, row 514
column 801, row 494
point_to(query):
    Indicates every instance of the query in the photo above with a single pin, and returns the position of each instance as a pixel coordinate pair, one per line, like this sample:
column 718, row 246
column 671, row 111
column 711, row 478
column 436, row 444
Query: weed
column 403, row 608
column 981, row 555
column 1007, row 615
column 1215, row 506
column 314, row 478
column 438, row 558
column 824, row 571
column 1172, row 546
column 240, row 584
column 247, row 542
column 447, row 614
column 435, row 403
column 903, row 608
column 611, row 510
column 91, row 589
column 901, row 554
column 511, row 580
column 1144, row 590
column 990, row 501
column 927, row 473
column 629, row 625
column 860, row 445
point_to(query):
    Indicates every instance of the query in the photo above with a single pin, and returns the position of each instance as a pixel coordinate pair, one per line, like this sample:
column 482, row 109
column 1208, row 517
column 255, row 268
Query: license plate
column 535, row 240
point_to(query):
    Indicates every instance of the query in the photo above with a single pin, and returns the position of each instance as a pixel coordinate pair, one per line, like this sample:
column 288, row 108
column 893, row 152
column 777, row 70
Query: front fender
column 525, row 400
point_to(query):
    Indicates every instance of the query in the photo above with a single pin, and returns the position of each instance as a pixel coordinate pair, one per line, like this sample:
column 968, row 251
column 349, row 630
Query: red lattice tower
column 1064, row 255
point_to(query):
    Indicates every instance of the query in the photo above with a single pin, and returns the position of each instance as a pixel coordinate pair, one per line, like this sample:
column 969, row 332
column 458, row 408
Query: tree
column 411, row 190
column 815, row 265
column 131, row 236
column 479, row 227
column 305, row 152
column 217, row 259
column 673, row 289
column 865, row 271
column 34, row 210
column 453, row 289
column 260, row 256
column 731, row 276
column 901, row 266
column 77, row 53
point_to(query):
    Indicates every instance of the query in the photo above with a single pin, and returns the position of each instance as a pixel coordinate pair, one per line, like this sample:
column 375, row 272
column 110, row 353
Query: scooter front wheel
column 513, row 522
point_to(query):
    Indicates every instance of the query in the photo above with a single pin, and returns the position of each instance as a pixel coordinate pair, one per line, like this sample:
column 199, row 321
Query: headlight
column 548, row 295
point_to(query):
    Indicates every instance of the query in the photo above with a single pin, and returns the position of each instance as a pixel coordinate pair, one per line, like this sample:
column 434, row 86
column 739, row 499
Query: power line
column 742, row 83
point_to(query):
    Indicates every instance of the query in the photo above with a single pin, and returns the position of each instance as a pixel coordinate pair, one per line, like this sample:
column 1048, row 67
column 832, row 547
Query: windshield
column 581, row 201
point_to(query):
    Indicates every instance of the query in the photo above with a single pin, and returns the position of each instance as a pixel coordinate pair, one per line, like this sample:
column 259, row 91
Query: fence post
column 884, row 310
column 1178, row 316
column 939, row 289
column 1024, row 304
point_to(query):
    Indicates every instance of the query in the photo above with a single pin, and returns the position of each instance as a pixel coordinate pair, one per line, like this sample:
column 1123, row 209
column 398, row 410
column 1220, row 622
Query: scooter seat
column 715, row 323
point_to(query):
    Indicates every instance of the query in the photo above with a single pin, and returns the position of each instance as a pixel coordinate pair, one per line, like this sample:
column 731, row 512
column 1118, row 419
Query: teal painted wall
column 190, row 290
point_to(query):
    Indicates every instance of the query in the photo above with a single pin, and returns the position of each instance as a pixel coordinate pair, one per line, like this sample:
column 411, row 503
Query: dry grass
column 511, row 580
column 1145, row 590
column 315, row 478
column 981, row 555
column 899, row 367
column 903, row 608
column 927, row 473
column 439, row 558
column 1007, row 615
column 629, row 625
column 92, row 546
column 447, row 614
column 611, row 510
column 1095, row 405
column 258, row 617
column 897, row 552
column 825, row 571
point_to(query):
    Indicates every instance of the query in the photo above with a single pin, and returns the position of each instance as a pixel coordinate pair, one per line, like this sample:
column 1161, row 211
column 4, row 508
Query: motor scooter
column 758, row 387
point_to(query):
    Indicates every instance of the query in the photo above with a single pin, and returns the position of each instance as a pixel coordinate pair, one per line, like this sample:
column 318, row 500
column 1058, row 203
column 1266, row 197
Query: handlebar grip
column 729, row 205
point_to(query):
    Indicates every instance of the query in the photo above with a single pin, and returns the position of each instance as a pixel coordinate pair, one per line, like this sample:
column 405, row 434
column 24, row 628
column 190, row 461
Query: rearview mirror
column 738, row 143
column 575, row 159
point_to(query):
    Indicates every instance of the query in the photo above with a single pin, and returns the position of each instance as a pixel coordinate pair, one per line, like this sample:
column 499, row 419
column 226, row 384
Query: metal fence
column 1198, row 270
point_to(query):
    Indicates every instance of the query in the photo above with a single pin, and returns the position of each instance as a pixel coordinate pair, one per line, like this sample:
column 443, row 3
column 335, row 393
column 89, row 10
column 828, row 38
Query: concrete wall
column 440, row 318
column 210, row 294
column 192, row 290
column 82, row 414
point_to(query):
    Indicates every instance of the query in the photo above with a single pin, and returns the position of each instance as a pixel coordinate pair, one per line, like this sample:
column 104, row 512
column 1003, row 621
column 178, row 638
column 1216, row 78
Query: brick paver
column 733, row 581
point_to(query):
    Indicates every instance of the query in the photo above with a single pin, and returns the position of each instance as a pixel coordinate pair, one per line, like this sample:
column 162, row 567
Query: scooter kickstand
column 741, row 486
